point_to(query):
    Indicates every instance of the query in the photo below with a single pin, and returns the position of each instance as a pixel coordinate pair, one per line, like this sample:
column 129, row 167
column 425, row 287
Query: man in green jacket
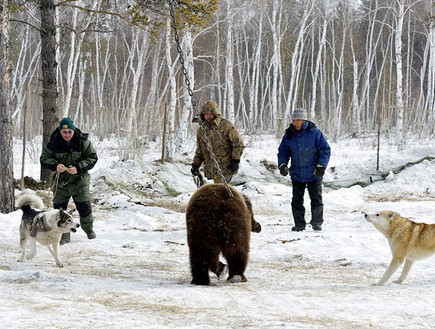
column 71, row 155
column 217, row 139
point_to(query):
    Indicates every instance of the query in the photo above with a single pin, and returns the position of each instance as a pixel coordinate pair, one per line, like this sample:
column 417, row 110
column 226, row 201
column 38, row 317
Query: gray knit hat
column 299, row 114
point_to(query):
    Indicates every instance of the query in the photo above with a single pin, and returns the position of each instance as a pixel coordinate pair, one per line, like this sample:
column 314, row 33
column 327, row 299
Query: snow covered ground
column 136, row 273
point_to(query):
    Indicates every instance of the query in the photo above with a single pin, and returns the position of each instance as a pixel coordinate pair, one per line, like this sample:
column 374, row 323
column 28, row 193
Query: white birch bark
column 24, row 70
column 102, row 64
column 298, row 53
column 254, row 81
column 356, row 112
column 317, row 66
column 339, row 88
column 77, row 36
column 276, row 64
column 181, row 132
column 371, row 48
column 80, row 115
column 74, row 53
column 430, row 97
column 155, row 94
column 136, row 64
column 172, row 92
column 228, row 108
column 399, row 73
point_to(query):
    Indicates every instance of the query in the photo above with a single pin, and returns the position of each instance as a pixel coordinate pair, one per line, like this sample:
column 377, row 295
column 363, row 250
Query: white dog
column 409, row 241
column 43, row 226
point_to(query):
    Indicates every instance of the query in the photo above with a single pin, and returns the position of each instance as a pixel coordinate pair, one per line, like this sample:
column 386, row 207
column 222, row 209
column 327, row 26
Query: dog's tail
column 29, row 201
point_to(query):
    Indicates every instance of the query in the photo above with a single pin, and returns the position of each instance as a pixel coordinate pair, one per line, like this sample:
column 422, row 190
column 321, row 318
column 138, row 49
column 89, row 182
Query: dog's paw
column 222, row 270
column 237, row 279
column 378, row 284
column 59, row 264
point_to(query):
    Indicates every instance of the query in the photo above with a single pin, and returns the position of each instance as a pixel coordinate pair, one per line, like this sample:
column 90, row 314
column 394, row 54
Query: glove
column 283, row 169
column 319, row 171
column 195, row 170
column 234, row 165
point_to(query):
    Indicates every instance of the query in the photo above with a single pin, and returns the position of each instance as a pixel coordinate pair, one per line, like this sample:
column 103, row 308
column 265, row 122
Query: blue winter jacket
column 306, row 149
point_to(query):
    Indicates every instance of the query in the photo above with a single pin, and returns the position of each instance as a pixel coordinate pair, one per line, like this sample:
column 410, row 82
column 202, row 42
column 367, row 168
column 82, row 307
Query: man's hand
column 234, row 165
column 283, row 169
column 72, row 170
column 60, row 168
column 319, row 171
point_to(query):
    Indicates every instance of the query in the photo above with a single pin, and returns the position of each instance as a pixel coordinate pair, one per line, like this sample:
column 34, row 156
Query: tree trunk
column 172, row 95
column 276, row 63
column 7, row 200
column 227, row 108
column 49, row 81
column 187, row 107
column 298, row 53
column 399, row 73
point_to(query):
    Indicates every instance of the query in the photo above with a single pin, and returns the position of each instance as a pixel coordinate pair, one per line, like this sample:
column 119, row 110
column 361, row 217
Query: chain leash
column 200, row 181
column 172, row 5
column 56, row 184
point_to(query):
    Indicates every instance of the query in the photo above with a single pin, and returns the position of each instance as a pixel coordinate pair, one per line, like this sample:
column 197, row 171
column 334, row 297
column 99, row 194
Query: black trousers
column 298, row 209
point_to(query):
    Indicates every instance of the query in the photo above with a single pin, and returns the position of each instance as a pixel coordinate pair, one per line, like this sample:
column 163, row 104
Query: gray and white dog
column 43, row 226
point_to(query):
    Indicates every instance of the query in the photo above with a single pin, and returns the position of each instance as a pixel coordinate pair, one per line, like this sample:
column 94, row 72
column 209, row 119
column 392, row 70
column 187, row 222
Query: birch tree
column 7, row 199
column 170, row 64
column 275, row 94
column 318, row 58
column 99, row 80
column 25, row 68
column 228, row 104
column 297, row 55
column 399, row 72
column 431, row 74
column 76, row 38
column 138, row 52
column 188, row 101
column 254, row 80
column 49, row 81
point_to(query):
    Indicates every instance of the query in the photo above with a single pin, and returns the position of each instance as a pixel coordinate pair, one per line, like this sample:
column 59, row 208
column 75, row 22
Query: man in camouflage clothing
column 225, row 142
column 71, row 155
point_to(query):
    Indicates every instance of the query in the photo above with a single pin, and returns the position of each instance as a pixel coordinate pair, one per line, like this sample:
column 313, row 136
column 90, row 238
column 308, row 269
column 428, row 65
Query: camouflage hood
column 212, row 107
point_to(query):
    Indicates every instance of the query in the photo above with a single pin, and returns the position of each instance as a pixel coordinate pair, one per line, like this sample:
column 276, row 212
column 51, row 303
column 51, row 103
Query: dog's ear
column 72, row 211
column 392, row 215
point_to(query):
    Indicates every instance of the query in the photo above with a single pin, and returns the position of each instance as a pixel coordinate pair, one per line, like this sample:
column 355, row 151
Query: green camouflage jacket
column 225, row 142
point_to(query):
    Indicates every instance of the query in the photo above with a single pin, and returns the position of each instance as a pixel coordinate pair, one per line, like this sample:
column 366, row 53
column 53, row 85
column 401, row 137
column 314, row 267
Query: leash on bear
column 199, row 181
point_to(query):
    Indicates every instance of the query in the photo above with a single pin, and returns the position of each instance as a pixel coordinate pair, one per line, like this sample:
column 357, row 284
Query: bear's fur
column 219, row 223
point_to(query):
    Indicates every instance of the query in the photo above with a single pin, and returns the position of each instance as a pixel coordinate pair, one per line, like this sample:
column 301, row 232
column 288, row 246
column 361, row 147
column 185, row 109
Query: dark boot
column 91, row 234
column 315, row 191
column 86, row 224
column 66, row 238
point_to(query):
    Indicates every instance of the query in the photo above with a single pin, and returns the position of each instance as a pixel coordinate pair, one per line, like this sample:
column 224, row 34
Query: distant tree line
column 356, row 67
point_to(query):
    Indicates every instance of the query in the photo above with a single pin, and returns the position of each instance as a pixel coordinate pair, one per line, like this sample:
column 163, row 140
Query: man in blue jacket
column 309, row 152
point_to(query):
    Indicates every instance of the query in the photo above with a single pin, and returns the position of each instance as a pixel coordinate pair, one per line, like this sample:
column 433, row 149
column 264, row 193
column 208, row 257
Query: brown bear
column 219, row 219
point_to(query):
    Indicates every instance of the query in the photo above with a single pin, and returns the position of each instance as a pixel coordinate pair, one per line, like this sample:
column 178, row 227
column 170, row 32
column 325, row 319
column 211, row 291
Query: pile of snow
column 136, row 273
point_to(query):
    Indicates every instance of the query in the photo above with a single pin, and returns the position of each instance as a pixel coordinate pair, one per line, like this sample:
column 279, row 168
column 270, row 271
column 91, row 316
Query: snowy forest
column 353, row 65
column 140, row 69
